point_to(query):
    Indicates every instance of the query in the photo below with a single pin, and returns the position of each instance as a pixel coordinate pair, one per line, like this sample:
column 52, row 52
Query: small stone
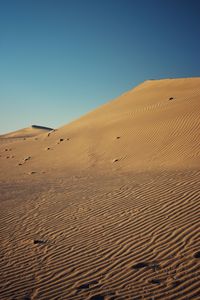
column 171, row 98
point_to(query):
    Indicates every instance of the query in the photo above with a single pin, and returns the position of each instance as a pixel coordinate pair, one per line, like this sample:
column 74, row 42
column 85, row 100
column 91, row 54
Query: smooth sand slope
column 32, row 131
column 108, row 206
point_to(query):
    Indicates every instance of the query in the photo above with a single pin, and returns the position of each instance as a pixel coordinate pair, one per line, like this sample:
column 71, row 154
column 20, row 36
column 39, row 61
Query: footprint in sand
column 156, row 281
column 197, row 254
column 27, row 158
column 60, row 140
column 39, row 242
column 140, row 265
column 115, row 160
column 87, row 285
column 97, row 297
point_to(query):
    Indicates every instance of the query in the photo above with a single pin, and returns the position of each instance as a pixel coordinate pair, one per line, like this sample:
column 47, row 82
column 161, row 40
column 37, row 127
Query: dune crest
column 32, row 131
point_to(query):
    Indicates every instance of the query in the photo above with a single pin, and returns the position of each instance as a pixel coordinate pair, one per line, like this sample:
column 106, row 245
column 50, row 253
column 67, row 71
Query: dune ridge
column 106, row 207
column 28, row 132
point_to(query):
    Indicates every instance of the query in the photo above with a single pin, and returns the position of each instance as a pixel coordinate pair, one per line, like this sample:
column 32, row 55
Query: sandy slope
column 111, row 200
column 28, row 132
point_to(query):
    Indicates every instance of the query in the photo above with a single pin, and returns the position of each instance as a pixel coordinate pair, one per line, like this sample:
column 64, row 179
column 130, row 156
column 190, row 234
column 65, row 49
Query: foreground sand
column 106, row 207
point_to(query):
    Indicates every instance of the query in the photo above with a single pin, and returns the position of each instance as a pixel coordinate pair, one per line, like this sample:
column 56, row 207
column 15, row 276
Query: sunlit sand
column 106, row 207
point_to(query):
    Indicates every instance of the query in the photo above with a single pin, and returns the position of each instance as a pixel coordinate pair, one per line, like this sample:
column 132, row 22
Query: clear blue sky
column 62, row 58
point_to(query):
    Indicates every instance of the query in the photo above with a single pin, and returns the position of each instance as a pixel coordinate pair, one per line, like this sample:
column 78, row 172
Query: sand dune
column 28, row 132
column 106, row 207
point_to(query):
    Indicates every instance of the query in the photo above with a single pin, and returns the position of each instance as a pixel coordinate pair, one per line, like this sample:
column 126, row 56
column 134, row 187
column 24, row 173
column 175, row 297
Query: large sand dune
column 106, row 207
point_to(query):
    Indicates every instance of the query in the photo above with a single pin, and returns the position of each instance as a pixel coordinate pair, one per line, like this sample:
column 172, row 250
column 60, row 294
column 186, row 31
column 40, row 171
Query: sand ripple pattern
column 130, row 237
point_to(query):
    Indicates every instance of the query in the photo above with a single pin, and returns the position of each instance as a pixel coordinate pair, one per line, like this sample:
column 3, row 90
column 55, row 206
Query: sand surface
column 108, row 206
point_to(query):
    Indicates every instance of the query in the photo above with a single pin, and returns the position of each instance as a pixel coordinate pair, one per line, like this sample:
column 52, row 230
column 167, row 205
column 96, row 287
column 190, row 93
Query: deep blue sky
column 62, row 58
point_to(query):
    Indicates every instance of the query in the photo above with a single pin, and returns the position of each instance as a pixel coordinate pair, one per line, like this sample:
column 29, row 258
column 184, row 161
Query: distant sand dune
column 111, row 210
column 32, row 131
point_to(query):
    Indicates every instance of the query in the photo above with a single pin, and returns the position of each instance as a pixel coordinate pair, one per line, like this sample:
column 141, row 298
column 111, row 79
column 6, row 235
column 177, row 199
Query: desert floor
column 108, row 206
